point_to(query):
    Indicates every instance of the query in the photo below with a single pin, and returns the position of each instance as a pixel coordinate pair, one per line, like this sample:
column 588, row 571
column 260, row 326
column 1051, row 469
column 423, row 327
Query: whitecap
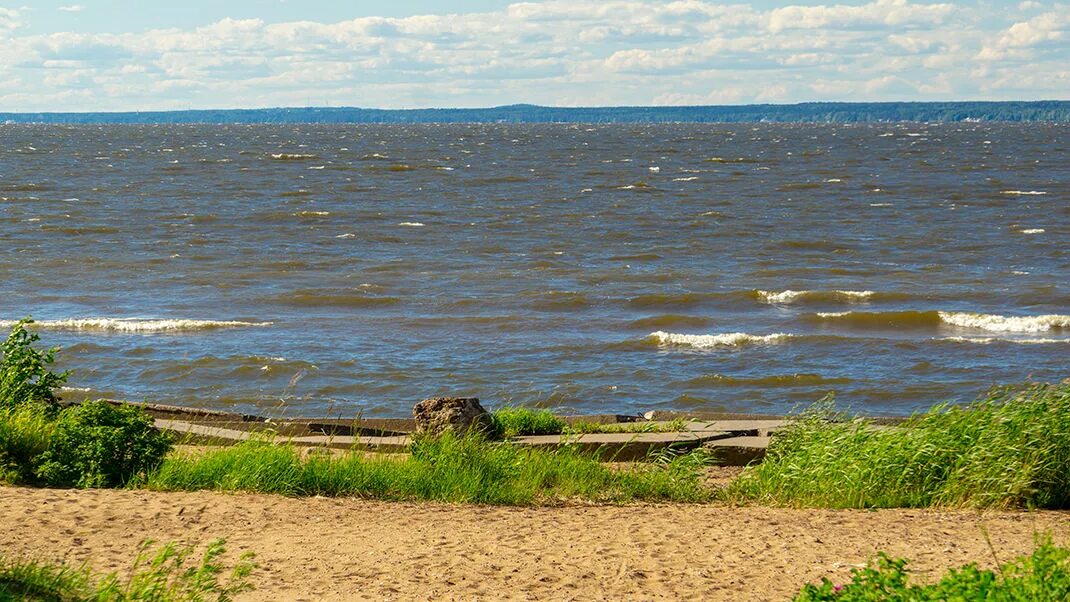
column 1032, row 231
column 687, row 179
column 998, row 323
column 990, row 340
column 412, row 224
column 710, row 341
column 1023, row 192
column 346, row 235
column 790, row 296
column 135, row 324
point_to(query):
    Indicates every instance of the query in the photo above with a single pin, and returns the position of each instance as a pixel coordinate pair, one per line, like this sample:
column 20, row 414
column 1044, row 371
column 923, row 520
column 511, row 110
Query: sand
column 348, row 549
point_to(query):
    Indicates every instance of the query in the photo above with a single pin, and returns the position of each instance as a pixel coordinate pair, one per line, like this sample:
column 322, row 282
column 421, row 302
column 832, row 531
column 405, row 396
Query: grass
column 1010, row 449
column 1043, row 575
column 518, row 421
column 515, row 421
column 25, row 434
column 166, row 575
column 449, row 469
column 678, row 424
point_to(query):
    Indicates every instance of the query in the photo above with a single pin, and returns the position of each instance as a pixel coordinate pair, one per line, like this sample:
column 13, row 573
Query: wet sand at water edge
column 348, row 549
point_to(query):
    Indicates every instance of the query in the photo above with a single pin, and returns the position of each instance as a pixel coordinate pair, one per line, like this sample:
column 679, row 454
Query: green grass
column 519, row 421
column 1010, row 449
column 25, row 434
column 449, row 469
column 166, row 575
column 515, row 421
column 1043, row 575
column 678, row 424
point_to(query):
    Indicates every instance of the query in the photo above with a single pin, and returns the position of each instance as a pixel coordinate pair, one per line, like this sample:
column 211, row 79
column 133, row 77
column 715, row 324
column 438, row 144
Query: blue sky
column 81, row 55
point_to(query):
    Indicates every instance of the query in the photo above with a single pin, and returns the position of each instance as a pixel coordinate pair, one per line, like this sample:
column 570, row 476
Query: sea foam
column 710, row 341
column 989, row 322
column 790, row 296
column 135, row 324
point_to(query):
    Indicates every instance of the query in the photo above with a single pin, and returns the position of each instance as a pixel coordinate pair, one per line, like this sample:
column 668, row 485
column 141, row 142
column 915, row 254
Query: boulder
column 457, row 414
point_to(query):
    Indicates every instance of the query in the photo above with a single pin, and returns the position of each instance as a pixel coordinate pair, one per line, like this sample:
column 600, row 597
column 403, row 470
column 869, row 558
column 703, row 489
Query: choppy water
column 596, row 268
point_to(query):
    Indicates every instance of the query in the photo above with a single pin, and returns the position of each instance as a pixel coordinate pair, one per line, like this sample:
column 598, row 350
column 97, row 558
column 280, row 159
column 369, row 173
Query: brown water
column 596, row 268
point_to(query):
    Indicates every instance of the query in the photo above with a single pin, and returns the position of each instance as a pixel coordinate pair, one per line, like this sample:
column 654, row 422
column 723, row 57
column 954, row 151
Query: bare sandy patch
column 349, row 549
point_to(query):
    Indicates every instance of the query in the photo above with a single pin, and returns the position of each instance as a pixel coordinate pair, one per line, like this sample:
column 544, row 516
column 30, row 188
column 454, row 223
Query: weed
column 1043, row 575
column 164, row 576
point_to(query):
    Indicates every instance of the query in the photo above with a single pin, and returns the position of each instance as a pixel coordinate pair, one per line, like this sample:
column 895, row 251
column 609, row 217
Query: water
column 614, row 268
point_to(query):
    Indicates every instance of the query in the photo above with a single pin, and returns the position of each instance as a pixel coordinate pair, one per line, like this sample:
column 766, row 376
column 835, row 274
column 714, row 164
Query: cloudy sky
column 85, row 55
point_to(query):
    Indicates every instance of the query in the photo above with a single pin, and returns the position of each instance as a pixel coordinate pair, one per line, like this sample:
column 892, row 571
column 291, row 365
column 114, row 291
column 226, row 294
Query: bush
column 165, row 576
column 97, row 444
column 1010, row 449
column 1044, row 575
column 24, row 374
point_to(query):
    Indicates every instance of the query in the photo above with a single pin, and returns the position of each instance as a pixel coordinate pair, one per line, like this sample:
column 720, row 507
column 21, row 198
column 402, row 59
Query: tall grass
column 449, row 468
column 166, row 575
column 25, row 434
column 514, row 421
column 1009, row 449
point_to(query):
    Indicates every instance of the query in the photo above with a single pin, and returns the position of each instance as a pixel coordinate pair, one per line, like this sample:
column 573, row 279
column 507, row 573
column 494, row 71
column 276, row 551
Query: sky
column 118, row 55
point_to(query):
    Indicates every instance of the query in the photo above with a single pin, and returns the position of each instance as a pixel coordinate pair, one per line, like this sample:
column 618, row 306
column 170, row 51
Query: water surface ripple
column 594, row 268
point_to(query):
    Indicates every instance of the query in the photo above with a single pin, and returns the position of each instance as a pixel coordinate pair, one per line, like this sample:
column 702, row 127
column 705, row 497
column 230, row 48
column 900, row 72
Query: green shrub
column 165, row 576
column 24, row 374
column 1009, row 449
column 25, row 434
column 98, row 444
column 1044, row 575
column 513, row 421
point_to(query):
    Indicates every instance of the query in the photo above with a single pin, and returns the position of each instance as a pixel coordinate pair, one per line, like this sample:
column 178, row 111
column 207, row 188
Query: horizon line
column 538, row 106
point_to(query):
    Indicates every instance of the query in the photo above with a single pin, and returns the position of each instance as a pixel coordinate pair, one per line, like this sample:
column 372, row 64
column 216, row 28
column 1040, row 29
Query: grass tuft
column 1010, row 449
column 516, row 421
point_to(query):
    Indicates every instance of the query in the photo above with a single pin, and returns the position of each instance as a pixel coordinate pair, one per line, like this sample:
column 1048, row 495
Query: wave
column 136, row 324
column 1024, row 192
column 315, row 298
column 990, row 340
column 779, row 380
column 790, row 296
column 293, row 156
column 667, row 320
column 711, row 341
column 920, row 319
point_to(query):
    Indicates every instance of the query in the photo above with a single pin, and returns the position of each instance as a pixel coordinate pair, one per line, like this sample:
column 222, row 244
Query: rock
column 458, row 414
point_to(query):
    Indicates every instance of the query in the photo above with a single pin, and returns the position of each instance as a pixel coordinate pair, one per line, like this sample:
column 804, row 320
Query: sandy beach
column 348, row 549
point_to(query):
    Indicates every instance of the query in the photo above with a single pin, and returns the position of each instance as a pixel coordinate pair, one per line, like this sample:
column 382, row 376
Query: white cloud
column 72, row 8
column 556, row 52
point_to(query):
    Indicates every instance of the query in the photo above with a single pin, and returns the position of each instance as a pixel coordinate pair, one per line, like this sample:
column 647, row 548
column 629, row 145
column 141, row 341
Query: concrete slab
column 200, row 433
column 623, row 446
column 738, row 451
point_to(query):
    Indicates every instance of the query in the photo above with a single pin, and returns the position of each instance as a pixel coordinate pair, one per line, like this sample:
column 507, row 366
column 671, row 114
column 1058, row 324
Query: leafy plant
column 98, row 444
column 1043, row 575
column 25, row 377
column 163, row 576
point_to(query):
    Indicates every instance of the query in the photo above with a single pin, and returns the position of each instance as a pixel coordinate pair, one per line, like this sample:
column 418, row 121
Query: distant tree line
column 811, row 112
